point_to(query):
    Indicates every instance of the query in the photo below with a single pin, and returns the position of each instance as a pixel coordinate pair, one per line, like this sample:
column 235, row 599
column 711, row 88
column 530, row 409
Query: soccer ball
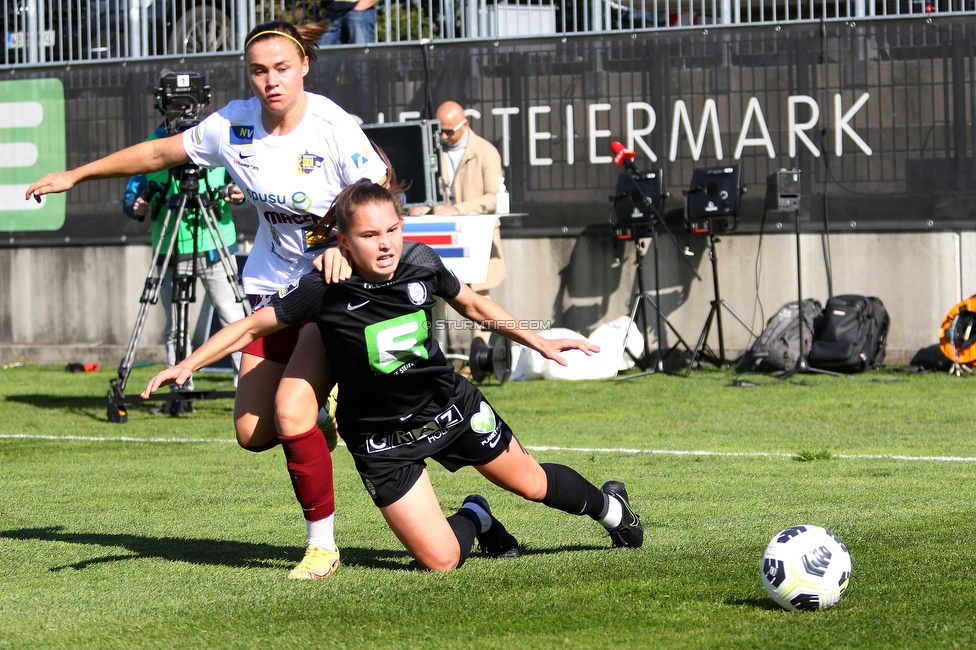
column 806, row 567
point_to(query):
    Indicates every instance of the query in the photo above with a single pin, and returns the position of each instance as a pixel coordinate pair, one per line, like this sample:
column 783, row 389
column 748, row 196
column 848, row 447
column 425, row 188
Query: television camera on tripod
column 191, row 240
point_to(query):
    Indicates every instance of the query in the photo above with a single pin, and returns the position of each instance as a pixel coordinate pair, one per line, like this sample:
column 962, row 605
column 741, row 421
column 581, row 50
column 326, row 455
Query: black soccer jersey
column 379, row 336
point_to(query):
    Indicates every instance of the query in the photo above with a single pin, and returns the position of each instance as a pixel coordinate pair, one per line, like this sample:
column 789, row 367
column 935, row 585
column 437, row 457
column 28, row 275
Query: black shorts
column 462, row 432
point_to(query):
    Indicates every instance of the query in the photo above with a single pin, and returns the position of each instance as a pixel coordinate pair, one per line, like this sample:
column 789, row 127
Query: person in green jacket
column 149, row 195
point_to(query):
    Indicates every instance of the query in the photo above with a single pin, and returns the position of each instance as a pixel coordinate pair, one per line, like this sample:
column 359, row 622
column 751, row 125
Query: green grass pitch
column 162, row 533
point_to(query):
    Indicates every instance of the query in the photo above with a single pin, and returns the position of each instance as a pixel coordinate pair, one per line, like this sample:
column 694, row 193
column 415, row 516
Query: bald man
column 471, row 170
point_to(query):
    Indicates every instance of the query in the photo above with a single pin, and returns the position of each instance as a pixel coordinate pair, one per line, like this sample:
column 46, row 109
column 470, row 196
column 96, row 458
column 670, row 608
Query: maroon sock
column 310, row 467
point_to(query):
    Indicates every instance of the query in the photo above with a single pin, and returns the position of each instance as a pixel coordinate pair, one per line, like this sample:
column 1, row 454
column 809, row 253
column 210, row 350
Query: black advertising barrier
column 877, row 116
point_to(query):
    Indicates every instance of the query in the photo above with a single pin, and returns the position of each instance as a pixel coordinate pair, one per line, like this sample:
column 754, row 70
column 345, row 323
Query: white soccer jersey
column 291, row 179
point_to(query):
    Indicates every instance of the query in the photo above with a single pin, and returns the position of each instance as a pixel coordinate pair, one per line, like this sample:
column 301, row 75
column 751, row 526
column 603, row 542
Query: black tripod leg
column 701, row 345
column 715, row 313
column 184, row 292
column 667, row 323
column 638, row 361
column 150, row 293
column 802, row 364
column 223, row 253
column 639, row 298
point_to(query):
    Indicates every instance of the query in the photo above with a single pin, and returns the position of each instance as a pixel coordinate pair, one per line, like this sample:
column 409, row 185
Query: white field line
column 759, row 454
column 583, row 450
column 33, row 436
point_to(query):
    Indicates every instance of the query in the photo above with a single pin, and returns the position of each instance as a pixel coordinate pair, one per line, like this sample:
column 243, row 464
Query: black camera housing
column 188, row 90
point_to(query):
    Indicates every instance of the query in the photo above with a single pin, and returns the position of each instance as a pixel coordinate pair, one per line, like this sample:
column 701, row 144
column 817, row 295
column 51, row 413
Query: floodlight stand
column 802, row 364
column 655, row 218
column 715, row 314
column 638, row 308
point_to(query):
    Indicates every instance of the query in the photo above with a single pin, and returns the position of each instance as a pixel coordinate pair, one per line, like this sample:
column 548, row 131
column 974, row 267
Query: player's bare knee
column 244, row 435
column 446, row 562
column 289, row 425
column 254, row 439
column 532, row 486
column 286, row 410
column 536, row 492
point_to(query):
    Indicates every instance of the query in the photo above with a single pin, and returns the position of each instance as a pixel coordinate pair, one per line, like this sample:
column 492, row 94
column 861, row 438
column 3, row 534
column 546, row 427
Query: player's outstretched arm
column 481, row 310
column 229, row 339
column 142, row 158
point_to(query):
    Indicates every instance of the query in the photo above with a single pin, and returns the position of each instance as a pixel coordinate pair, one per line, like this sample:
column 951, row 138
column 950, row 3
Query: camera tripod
column 715, row 315
column 188, row 201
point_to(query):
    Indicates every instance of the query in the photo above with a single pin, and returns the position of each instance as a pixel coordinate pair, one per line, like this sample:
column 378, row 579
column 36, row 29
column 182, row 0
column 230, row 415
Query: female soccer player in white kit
column 291, row 152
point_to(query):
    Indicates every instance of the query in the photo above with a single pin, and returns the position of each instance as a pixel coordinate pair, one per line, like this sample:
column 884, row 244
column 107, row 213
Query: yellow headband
column 297, row 42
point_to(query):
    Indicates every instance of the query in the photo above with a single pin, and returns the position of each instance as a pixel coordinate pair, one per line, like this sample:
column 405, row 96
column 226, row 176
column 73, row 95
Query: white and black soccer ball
column 806, row 567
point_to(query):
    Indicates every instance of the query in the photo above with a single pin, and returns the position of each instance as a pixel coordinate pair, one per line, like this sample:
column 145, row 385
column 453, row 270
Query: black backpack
column 854, row 335
column 778, row 347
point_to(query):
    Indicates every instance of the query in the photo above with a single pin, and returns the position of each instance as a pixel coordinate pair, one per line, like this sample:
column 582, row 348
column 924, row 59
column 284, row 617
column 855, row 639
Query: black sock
column 466, row 526
column 570, row 492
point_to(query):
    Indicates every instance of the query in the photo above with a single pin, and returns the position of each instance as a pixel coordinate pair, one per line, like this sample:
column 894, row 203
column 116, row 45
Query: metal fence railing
column 45, row 31
column 42, row 31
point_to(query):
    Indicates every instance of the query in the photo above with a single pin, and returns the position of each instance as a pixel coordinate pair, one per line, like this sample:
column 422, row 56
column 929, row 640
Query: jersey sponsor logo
column 262, row 302
column 492, row 440
column 291, row 287
column 485, row 423
column 301, row 201
column 295, row 219
column 308, row 162
column 241, row 134
column 449, row 418
column 197, row 134
column 371, row 285
column 352, row 307
column 241, row 163
column 417, row 292
column 361, row 158
column 263, row 197
column 277, row 247
column 314, row 238
column 275, row 236
column 393, row 343
column 378, row 443
column 431, row 432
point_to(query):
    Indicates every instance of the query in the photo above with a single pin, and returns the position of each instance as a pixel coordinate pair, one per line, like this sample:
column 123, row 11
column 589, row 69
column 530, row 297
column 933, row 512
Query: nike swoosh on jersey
column 352, row 307
column 243, row 157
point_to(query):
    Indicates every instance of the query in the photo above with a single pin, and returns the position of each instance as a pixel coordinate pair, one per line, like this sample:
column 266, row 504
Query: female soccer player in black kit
column 402, row 402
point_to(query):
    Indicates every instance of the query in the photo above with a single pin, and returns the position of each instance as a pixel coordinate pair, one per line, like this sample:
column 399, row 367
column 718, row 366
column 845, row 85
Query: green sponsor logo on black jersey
column 395, row 342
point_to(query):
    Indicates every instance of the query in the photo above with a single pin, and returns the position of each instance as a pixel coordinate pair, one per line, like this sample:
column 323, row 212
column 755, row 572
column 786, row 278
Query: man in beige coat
column 471, row 170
